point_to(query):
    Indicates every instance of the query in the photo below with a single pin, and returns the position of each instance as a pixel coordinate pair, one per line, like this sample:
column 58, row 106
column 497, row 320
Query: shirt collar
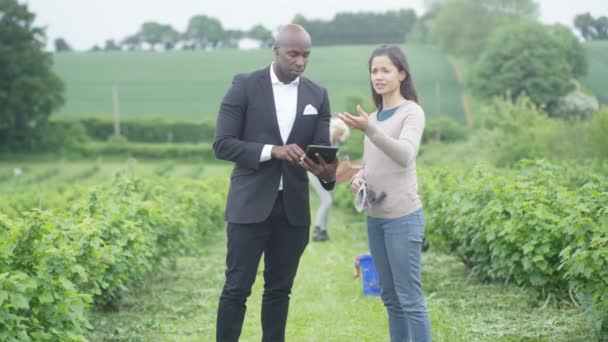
column 275, row 80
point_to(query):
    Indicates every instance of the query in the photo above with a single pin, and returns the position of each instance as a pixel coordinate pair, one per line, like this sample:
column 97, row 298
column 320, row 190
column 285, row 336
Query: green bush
column 447, row 130
column 353, row 147
column 532, row 226
column 528, row 58
column 54, row 136
column 519, row 130
column 39, row 301
column 94, row 248
column 575, row 104
column 585, row 260
column 597, row 134
column 194, row 152
column 117, row 140
column 151, row 131
column 354, row 99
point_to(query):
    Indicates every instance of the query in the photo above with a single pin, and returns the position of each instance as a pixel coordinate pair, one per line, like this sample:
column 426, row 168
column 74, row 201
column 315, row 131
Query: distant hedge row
column 157, row 139
column 192, row 152
column 151, row 131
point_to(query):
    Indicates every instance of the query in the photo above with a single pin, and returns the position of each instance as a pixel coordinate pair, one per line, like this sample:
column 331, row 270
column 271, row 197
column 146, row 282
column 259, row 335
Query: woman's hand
column 355, row 185
column 357, row 122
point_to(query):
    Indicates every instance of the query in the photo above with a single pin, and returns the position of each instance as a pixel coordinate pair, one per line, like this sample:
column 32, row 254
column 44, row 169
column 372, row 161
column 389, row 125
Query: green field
column 190, row 85
column 598, row 70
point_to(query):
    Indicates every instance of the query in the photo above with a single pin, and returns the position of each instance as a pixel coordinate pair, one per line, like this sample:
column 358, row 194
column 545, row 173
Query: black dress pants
column 282, row 244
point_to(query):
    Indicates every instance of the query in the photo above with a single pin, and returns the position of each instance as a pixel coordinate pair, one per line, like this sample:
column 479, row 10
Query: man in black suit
column 266, row 120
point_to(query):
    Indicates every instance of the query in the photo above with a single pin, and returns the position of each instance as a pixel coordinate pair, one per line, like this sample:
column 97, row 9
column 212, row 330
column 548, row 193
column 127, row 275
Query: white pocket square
column 310, row 110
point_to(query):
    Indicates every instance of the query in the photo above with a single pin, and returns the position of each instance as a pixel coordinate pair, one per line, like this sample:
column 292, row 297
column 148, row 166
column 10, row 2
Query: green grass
column 597, row 79
column 188, row 85
column 327, row 302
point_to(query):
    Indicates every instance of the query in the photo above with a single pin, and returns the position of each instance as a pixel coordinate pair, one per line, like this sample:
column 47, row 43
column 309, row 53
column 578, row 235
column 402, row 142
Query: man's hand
column 355, row 185
column 291, row 153
column 325, row 171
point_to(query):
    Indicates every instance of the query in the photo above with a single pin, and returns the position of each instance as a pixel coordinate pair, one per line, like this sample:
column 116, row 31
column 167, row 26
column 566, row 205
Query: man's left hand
column 325, row 171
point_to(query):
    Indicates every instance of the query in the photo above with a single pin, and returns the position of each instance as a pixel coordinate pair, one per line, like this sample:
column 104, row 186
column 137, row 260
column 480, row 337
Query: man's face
column 292, row 57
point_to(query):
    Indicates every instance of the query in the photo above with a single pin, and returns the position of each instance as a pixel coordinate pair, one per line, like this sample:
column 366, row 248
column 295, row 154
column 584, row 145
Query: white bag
column 366, row 199
column 361, row 201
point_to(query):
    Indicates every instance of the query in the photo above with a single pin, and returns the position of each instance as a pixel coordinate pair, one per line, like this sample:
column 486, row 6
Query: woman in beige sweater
column 395, row 223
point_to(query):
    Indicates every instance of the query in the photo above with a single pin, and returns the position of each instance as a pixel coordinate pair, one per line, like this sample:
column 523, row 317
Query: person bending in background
column 338, row 133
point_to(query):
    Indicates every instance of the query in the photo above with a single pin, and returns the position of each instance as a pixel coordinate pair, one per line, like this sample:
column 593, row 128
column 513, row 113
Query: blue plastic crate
column 371, row 284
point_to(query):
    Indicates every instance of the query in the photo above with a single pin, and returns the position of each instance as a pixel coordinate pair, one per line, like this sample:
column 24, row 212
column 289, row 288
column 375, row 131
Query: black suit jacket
column 246, row 122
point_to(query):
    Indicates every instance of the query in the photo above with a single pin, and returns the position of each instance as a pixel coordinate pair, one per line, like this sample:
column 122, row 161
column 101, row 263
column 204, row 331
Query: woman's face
column 385, row 77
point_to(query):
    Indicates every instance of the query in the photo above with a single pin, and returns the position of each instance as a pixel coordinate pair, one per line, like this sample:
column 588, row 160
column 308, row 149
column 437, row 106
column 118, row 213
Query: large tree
column 29, row 90
column 204, row 31
column 132, row 42
column 422, row 30
column 158, row 34
column 574, row 51
column 591, row 28
column 231, row 38
column 111, row 45
column 529, row 58
column 169, row 37
column 61, row 45
column 261, row 33
column 463, row 27
column 360, row 28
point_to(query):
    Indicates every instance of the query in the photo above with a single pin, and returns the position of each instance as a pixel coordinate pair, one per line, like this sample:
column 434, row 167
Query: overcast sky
column 84, row 23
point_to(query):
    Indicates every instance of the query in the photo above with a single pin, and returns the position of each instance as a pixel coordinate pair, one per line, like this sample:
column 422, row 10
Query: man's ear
column 275, row 48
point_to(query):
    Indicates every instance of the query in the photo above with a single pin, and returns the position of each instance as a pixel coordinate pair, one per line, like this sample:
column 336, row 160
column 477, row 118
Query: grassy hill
column 597, row 80
column 190, row 85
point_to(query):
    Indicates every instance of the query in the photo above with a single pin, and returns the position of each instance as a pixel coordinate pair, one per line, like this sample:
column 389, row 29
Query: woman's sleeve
column 403, row 150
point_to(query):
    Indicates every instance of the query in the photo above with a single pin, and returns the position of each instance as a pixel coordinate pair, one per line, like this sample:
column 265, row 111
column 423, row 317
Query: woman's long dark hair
column 407, row 89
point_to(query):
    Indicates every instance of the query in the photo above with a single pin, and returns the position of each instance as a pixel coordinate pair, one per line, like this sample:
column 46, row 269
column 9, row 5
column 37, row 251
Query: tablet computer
column 327, row 152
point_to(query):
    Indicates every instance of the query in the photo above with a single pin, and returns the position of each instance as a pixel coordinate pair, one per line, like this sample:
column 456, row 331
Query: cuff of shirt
column 266, row 154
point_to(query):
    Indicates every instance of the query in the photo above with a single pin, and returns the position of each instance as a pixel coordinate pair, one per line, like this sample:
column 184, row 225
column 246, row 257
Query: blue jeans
column 396, row 246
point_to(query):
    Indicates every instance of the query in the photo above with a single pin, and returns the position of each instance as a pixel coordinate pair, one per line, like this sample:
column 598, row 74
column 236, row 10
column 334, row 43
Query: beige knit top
column 389, row 160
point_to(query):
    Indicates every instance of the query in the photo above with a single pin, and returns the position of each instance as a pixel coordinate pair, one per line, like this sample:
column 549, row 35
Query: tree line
column 204, row 32
column 360, row 27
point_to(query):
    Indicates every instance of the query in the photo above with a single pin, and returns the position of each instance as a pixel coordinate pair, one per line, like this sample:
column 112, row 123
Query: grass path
column 463, row 99
column 327, row 302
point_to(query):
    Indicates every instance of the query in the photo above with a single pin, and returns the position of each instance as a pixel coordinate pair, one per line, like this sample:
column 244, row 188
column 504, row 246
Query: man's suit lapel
column 268, row 100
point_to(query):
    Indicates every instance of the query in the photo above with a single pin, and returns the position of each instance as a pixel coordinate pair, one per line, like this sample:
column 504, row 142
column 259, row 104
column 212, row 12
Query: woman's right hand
column 357, row 122
column 355, row 185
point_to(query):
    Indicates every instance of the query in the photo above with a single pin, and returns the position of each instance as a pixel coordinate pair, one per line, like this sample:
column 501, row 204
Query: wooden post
column 438, row 108
column 116, row 101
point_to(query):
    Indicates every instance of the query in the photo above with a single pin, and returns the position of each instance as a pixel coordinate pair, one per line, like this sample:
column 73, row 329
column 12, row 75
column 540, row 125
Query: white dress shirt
column 285, row 103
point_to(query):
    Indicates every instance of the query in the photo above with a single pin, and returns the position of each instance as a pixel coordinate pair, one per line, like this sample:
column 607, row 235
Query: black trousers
column 282, row 244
